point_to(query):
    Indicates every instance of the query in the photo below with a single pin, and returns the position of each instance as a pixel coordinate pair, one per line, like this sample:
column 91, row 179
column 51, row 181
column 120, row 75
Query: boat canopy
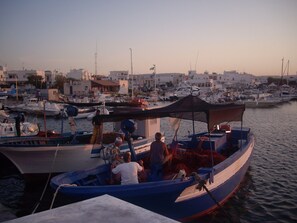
column 189, row 108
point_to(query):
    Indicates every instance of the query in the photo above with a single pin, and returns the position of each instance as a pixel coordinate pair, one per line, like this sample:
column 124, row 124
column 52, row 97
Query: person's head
column 98, row 112
column 118, row 141
column 127, row 157
column 158, row 136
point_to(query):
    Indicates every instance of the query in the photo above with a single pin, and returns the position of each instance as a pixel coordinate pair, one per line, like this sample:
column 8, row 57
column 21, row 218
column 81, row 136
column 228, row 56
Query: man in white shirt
column 128, row 170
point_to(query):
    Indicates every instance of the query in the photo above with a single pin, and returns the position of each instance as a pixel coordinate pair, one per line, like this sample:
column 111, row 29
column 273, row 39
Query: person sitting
column 115, row 153
column 128, row 170
column 158, row 156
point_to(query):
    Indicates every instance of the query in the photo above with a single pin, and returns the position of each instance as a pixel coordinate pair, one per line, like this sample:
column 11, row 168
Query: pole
column 155, row 77
column 282, row 72
column 131, row 73
column 288, row 72
column 44, row 119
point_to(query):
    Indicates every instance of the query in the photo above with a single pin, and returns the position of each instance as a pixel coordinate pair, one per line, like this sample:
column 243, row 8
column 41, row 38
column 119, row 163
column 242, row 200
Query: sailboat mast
column 96, row 60
column 288, row 65
column 131, row 73
column 282, row 72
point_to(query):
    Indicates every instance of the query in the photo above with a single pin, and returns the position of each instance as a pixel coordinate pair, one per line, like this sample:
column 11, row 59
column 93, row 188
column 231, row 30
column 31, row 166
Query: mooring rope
column 47, row 181
column 56, row 192
column 201, row 184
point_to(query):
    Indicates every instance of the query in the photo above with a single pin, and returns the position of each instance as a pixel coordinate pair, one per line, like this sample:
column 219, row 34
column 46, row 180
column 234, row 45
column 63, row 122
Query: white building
column 233, row 78
column 21, row 76
column 50, row 77
column 78, row 88
column 79, row 74
column 118, row 75
column 161, row 80
column 2, row 74
column 200, row 80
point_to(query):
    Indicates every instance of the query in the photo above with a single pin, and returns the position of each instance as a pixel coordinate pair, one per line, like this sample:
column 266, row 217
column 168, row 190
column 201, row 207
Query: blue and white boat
column 206, row 168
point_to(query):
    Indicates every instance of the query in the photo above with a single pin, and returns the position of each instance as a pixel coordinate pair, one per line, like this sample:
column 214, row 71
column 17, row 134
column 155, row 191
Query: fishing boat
column 205, row 170
column 70, row 152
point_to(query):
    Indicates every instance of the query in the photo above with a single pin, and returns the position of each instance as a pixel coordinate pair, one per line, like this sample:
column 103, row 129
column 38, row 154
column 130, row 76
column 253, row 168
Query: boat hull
column 177, row 199
column 41, row 159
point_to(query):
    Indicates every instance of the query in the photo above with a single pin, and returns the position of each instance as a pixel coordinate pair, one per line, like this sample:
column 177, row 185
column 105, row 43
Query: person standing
column 158, row 156
column 97, row 129
column 18, row 125
column 128, row 170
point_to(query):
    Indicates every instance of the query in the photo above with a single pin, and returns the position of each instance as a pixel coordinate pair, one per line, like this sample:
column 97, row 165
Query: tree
column 35, row 80
column 59, row 82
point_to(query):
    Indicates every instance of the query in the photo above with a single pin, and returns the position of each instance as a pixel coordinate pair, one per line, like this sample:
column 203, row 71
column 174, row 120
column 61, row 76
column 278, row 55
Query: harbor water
column 267, row 193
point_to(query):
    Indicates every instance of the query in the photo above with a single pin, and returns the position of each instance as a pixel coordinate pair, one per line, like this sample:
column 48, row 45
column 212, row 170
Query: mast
column 282, row 72
column 155, row 78
column 96, row 60
column 288, row 65
column 131, row 73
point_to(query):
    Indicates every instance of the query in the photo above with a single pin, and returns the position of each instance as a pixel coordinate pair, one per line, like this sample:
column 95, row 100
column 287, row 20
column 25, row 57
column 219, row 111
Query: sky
column 249, row 36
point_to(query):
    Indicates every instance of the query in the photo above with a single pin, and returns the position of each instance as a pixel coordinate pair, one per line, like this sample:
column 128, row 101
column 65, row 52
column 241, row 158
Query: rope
column 201, row 184
column 56, row 192
column 47, row 181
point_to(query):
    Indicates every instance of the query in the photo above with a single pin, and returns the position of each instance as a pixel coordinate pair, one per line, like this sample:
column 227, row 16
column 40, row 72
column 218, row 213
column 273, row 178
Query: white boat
column 33, row 106
column 185, row 90
column 263, row 100
column 56, row 155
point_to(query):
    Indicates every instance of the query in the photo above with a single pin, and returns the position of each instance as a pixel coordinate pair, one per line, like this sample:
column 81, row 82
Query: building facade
column 79, row 74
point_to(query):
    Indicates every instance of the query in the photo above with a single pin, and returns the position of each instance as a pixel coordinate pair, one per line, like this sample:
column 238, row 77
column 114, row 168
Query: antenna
column 196, row 60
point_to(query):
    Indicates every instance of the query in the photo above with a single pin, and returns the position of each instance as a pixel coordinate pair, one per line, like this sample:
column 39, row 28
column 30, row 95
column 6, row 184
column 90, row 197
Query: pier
column 104, row 208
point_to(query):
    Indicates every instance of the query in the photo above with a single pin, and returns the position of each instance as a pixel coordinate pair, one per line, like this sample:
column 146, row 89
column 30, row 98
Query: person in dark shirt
column 18, row 125
column 97, row 129
column 158, row 156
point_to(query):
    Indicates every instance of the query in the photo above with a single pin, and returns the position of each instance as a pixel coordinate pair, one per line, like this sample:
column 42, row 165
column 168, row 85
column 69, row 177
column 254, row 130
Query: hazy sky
column 245, row 35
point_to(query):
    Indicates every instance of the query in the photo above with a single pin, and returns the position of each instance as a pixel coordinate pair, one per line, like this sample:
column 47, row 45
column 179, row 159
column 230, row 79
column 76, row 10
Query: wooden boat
column 205, row 171
column 68, row 152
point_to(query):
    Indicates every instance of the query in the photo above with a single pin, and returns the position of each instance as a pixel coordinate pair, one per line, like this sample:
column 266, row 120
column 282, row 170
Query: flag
column 152, row 68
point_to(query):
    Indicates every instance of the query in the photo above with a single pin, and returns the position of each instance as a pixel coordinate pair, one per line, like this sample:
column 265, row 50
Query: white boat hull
column 55, row 159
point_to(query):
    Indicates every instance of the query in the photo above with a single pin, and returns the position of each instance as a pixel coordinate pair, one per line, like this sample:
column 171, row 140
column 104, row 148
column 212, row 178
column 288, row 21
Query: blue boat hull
column 177, row 199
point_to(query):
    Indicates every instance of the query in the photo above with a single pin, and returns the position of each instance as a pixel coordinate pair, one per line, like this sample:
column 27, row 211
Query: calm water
column 267, row 194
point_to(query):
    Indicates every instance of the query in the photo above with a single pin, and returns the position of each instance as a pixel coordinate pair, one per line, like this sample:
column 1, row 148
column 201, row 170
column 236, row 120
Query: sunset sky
column 249, row 36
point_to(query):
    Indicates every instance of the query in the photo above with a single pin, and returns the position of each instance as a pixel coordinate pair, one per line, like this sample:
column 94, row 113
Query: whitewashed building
column 79, row 74
column 78, row 88
column 2, row 74
column 200, row 80
column 21, row 76
column 233, row 79
column 118, row 75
